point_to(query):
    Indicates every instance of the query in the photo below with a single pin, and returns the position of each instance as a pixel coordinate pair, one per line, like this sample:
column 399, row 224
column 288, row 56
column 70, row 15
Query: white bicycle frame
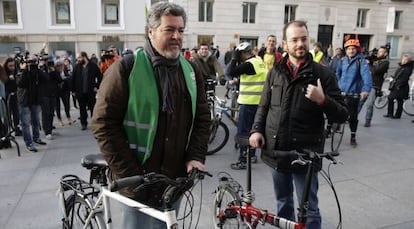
column 168, row 216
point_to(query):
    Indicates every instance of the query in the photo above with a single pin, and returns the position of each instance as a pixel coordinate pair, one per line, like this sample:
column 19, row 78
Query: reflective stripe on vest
column 251, row 86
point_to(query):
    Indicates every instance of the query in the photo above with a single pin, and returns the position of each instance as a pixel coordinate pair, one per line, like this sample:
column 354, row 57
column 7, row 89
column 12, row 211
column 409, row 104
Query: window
column 8, row 12
column 249, row 12
column 362, row 18
column 205, row 10
column 111, row 14
column 397, row 19
column 394, row 42
column 290, row 13
column 62, row 12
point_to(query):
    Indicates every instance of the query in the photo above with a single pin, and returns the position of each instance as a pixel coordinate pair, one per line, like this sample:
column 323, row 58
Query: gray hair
column 163, row 9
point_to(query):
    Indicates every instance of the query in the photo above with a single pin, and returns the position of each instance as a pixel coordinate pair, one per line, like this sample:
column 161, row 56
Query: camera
column 106, row 54
column 372, row 55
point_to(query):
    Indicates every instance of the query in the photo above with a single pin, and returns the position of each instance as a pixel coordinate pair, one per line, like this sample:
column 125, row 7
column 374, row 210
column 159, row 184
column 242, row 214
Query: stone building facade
column 70, row 26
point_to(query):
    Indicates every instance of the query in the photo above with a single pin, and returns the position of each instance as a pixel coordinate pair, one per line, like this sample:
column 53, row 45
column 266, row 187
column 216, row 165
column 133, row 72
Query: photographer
column 49, row 91
column 28, row 97
column 11, row 90
column 378, row 65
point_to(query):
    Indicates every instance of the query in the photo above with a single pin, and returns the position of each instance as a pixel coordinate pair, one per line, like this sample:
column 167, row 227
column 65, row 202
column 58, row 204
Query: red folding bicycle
column 233, row 208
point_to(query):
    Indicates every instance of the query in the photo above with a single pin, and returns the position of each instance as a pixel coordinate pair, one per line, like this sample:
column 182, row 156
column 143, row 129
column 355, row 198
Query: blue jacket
column 354, row 75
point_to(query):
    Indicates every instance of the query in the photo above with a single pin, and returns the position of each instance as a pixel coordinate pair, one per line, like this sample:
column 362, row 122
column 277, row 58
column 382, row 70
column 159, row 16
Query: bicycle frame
column 252, row 215
column 168, row 216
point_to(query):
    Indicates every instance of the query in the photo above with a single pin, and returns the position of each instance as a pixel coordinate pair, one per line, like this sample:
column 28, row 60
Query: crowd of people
column 35, row 86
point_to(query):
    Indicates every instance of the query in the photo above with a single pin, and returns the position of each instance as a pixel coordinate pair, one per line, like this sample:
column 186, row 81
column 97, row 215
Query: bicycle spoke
column 230, row 219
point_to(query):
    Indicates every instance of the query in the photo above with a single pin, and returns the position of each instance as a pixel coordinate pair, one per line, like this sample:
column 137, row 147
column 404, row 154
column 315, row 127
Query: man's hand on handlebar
column 193, row 164
column 256, row 140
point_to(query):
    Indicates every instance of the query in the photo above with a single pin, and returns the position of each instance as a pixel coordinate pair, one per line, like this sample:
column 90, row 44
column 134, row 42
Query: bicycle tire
column 225, row 196
column 408, row 107
column 381, row 101
column 337, row 136
column 4, row 117
column 218, row 137
column 77, row 210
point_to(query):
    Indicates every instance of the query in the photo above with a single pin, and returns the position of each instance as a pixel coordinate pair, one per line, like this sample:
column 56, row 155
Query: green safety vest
column 141, row 118
column 251, row 86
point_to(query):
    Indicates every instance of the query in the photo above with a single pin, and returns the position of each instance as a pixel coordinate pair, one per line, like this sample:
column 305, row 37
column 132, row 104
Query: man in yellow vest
column 151, row 113
column 252, row 72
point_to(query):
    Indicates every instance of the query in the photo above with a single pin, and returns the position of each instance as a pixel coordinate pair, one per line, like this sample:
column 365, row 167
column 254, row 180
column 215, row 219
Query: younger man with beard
column 297, row 95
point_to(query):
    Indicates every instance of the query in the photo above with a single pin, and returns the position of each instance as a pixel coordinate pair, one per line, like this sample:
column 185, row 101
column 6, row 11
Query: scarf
column 164, row 70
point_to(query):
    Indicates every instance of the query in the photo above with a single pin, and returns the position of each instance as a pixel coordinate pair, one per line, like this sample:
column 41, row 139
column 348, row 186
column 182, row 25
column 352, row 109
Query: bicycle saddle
column 242, row 140
column 93, row 160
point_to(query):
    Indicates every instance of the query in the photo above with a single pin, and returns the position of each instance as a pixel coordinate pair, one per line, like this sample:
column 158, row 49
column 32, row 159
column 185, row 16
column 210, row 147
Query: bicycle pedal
column 230, row 213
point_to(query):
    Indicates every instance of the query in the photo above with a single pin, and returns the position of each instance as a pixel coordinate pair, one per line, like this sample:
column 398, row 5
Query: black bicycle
column 7, row 127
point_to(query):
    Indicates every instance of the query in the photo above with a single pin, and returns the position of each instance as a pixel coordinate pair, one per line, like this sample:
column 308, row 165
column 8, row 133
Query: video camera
column 372, row 55
column 106, row 54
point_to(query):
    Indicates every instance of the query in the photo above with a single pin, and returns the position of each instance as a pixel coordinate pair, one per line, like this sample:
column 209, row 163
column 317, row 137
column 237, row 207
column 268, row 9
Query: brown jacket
column 169, row 153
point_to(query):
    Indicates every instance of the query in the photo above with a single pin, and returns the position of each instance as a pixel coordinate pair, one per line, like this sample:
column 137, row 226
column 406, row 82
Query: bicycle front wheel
column 408, row 107
column 381, row 101
column 218, row 137
column 77, row 211
column 337, row 135
column 224, row 217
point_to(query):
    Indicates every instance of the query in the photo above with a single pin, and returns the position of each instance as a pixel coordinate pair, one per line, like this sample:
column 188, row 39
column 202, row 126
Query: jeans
column 370, row 104
column 29, row 115
column 244, row 125
column 283, row 187
column 134, row 219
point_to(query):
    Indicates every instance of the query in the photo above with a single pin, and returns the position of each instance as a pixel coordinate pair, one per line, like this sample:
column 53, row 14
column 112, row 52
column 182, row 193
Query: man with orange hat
column 355, row 82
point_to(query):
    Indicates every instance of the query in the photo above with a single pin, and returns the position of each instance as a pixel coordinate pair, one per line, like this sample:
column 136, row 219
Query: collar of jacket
column 304, row 71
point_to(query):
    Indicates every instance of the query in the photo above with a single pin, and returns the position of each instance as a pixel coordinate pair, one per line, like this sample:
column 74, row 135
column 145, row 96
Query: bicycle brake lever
column 298, row 161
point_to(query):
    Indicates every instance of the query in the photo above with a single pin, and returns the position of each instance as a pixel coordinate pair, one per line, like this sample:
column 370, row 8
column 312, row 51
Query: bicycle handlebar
column 152, row 178
column 307, row 153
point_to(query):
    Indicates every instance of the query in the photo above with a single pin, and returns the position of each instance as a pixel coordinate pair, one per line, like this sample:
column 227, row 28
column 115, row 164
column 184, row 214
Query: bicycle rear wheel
column 218, row 137
column 408, row 107
column 337, row 135
column 224, row 197
column 381, row 101
column 77, row 210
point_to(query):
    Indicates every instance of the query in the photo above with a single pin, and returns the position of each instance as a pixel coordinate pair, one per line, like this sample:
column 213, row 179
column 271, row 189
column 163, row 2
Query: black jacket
column 288, row 119
column 94, row 79
column 399, row 86
column 378, row 69
column 50, row 87
column 29, row 90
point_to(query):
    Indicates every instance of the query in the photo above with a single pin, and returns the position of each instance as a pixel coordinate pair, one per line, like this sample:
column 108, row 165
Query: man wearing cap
column 252, row 71
column 355, row 82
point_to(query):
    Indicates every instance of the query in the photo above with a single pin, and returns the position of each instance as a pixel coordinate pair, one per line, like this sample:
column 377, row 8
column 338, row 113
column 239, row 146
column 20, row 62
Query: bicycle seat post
column 249, row 169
